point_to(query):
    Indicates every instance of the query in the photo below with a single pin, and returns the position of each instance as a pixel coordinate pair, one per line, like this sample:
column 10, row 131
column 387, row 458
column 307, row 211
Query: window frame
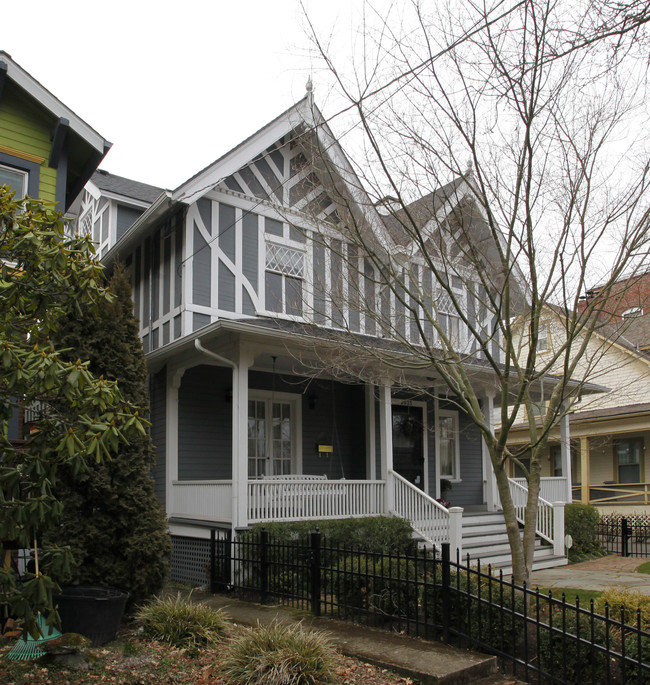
column 617, row 465
column 31, row 169
column 454, row 477
column 295, row 401
column 543, row 336
column 276, row 241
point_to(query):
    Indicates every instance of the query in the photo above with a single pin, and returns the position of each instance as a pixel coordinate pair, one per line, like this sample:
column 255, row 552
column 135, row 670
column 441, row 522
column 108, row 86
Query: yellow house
column 609, row 430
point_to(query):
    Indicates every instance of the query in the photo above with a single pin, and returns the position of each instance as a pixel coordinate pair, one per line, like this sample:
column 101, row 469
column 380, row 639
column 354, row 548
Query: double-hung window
column 16, row 179
column 628, row 457
column 284, row 269
column 448, row 445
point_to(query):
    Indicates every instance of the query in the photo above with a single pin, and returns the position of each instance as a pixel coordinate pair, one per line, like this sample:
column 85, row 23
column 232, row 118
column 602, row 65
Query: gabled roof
column 118, row 185
column 91, row 145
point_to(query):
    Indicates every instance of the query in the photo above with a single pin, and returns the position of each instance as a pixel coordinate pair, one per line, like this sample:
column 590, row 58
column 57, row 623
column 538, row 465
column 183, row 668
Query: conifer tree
column 111, row 517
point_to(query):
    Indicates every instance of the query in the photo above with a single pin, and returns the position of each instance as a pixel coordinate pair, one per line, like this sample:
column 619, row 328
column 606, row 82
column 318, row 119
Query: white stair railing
column 434, row 523
column 550, row 516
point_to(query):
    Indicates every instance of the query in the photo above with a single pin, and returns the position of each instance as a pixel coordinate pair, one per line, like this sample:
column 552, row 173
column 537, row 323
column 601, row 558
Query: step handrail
column 432, row 521
column 547, row 513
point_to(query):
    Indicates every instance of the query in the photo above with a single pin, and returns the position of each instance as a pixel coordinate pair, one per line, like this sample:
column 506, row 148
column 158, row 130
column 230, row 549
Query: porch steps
column 485, row 539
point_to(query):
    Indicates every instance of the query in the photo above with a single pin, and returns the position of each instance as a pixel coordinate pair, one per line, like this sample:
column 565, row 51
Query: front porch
column 259, row 440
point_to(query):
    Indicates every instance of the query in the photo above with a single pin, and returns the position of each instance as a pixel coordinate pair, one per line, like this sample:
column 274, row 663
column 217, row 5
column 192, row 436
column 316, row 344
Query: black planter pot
column 94, row 612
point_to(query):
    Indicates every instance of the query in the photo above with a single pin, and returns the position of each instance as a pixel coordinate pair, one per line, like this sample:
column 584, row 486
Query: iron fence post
column 625, row 537
column 315, row 573
column 264, row 565
column 446, row 589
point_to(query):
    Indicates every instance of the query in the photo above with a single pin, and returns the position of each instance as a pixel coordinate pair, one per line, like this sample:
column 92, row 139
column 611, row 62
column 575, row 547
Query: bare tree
column 501, row 169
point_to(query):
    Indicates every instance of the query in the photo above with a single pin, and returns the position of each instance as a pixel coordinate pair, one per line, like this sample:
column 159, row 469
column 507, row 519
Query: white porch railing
column 433, row 522
column 550, row 516
column 550, row 489
column 294, row 500
column 209, row 500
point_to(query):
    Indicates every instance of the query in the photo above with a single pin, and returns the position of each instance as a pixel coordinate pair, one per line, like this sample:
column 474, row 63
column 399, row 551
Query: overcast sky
column 173, row 85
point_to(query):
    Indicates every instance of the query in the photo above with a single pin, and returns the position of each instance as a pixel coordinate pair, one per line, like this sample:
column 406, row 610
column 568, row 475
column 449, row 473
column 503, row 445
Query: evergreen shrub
column 581, row 523
column 111, row 516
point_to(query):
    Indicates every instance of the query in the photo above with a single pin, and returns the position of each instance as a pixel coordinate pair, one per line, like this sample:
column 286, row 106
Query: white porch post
column 386, row 440
column 565, row 453
column 585, row 469
column 456, row 532
column 490, row 478
column 558, row 528
column 371, row 448
column 174, row 377
column 240, row 440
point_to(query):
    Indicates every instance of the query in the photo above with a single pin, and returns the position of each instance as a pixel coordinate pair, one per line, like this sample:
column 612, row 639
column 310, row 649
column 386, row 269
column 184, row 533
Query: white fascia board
column 125, row 199
column 225, row 166
column 29, row 84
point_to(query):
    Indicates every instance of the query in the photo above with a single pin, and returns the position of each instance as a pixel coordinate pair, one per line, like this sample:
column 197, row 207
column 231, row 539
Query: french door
column 271, row 436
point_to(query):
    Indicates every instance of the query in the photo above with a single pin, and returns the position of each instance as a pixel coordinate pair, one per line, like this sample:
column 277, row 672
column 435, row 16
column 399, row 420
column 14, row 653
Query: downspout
column 239, row 489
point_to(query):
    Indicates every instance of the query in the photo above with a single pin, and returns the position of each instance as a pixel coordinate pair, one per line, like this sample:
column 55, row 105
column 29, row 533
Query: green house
column 46, row 150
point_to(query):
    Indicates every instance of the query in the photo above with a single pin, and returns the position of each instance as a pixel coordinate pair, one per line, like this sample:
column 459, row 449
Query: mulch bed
column 131, row 660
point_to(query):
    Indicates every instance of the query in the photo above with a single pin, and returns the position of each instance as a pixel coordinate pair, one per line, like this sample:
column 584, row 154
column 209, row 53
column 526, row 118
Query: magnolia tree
column 75, row 417
column 501, row 169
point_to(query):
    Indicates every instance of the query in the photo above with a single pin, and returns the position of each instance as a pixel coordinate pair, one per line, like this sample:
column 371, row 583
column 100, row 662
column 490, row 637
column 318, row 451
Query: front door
column 408, row 443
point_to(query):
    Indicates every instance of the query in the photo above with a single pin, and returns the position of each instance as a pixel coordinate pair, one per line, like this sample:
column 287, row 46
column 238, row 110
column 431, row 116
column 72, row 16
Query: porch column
column 174, row 377
column 565, row 453
column 488, row 472
column 386, row 440
column 371, row 447
column 585, row 470
column 240, row 440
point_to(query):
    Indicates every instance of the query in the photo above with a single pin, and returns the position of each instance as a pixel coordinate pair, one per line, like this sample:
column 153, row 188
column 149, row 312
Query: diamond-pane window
column 285, row 260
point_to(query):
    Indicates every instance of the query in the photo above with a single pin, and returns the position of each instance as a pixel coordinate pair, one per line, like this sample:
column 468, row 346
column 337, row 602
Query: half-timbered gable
column 253, row 282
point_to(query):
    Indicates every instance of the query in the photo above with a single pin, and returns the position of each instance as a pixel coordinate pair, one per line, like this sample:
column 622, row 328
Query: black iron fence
column 537, row 637
column 628, row 536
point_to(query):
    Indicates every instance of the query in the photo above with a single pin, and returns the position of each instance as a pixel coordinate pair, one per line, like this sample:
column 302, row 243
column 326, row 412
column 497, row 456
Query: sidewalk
column 597, row 574
column 430, row 663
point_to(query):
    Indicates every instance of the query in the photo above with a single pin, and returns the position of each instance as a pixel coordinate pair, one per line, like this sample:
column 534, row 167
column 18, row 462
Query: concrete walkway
column 597, row 574
column 428, row 663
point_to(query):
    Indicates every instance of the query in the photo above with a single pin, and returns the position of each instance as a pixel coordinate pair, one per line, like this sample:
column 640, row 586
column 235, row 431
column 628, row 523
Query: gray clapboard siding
column 126, row 217
column 227, row 231
column 250, row 249
column 201, row 271
column 470, row 490
column 205, row 424
column 226, row 288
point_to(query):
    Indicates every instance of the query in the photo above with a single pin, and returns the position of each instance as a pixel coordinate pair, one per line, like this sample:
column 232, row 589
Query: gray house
column 253, row 415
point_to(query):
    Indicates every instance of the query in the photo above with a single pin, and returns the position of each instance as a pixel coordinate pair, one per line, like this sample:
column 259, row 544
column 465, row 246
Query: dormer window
column 542, row 338
column 632, row 313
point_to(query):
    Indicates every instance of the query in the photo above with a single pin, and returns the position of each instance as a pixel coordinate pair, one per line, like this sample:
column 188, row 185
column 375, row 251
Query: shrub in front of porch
column 111, row 517
column 374, row 534
column 581, row 523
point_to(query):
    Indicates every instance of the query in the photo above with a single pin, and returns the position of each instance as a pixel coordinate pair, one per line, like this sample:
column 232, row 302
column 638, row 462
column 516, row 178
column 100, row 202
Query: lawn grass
column 571, row 593
column 644, row 568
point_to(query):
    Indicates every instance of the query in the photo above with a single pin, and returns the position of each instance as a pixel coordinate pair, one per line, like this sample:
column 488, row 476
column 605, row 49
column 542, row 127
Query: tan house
column 609, row 431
